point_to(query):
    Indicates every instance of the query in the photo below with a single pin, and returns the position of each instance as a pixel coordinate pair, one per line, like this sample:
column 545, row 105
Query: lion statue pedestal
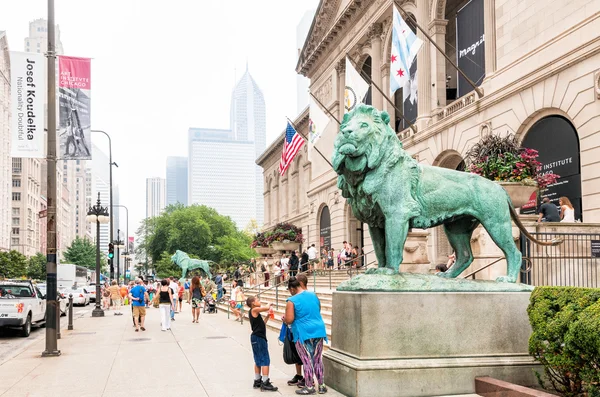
column 413, row 344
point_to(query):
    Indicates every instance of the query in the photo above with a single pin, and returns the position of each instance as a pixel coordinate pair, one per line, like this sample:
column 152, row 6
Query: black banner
column 595, row 247
column 325, row 228
column 557, row 142
column 409, row 94
column 470, row 45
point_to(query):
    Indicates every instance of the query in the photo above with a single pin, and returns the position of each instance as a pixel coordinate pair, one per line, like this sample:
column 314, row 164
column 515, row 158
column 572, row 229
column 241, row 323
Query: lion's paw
column 506, row 279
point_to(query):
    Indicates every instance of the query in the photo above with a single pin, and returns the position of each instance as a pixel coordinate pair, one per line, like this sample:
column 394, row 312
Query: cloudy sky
column 160, row 67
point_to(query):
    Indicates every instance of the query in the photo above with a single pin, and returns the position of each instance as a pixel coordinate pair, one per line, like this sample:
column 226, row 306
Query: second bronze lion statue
column 391, row 192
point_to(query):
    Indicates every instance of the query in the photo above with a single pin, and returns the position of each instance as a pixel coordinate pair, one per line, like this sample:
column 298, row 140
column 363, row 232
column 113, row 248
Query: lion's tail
column 515, row 218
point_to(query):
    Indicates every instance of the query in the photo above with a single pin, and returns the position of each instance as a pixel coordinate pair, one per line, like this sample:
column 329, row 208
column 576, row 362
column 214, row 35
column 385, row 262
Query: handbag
column 290, row 354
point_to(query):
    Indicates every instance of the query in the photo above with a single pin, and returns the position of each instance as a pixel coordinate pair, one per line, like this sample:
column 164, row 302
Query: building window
column 15, row 221
column 15, row 231
column 16, row 211
column 16, row 183
column 17, row 165
column 15, row 241
column 16, row 196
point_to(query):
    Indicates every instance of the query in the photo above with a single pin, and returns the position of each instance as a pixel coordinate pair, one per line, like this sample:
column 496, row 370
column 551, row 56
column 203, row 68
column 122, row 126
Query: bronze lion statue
column 388, row 190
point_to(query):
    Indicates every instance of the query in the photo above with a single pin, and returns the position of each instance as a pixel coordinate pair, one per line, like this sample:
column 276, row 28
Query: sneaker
column 294, row 381
column 322, row 389
column 301, row 383
column 305, row 391
column 267, row 386
column 257, row 383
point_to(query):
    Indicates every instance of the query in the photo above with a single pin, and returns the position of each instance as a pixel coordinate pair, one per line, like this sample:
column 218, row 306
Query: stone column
column 423, row 67
column 374, row 35
column 340, row 67
column 489, row 29
column 437, row 31
column 385, row 86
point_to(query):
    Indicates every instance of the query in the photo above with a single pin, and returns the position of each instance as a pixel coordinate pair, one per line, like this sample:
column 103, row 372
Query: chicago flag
column 405, row 46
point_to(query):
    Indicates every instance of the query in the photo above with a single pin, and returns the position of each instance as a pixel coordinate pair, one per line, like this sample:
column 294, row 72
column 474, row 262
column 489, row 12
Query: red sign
column 74, row 72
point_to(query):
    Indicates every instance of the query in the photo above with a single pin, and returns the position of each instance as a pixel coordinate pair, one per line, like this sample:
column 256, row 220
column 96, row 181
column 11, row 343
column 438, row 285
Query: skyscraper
column 5, row 163
column 177, row 180
column 38, row 37
column 156, row 196
column 221, row 173
column 248, row 123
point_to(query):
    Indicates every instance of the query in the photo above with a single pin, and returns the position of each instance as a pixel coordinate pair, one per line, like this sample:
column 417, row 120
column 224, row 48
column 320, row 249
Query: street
column 12, row 344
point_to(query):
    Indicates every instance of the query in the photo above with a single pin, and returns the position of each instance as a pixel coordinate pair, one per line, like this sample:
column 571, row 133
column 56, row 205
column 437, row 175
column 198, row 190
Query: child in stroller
column 209, row 304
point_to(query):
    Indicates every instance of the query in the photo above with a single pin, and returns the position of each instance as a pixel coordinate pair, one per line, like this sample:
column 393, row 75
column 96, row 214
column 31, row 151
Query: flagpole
column 371, row 82
column 324, row 108
column 414, row 20
column 306, row 139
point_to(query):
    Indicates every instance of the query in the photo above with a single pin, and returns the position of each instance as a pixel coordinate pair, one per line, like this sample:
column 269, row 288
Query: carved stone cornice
column 439, row 11
column 385, row 69
column 344, row 30
column 340, row 66
column 375, row 31
column 438, row 26
column 323, row 93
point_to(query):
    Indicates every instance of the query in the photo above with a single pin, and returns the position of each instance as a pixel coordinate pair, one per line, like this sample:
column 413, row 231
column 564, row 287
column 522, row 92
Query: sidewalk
column 105, row 357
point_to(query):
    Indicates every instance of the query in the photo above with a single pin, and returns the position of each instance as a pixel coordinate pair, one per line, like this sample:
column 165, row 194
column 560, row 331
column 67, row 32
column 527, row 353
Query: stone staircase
column 322, row 284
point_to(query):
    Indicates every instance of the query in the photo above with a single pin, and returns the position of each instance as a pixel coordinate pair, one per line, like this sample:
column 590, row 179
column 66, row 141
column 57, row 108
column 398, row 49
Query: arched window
column 325, row 228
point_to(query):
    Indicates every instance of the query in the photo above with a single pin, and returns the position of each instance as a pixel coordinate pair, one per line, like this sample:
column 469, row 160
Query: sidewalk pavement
column 105, row 357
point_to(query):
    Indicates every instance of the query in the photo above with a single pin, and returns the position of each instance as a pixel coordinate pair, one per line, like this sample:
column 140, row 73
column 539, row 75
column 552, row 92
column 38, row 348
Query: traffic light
column 111, row 251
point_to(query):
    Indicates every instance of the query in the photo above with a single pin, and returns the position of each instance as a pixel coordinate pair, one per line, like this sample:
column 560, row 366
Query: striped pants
column 311, row 354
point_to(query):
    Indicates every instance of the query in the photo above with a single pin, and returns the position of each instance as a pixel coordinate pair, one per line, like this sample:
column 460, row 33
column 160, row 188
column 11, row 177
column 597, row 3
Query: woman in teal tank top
column 303, row 313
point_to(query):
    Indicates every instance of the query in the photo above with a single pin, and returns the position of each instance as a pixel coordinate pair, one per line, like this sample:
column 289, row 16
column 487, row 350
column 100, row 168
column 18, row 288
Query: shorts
column 181, row 299
column 139, row 311
column 330, row 264
column 238, row 306
column 196, row 303
column 260, row 350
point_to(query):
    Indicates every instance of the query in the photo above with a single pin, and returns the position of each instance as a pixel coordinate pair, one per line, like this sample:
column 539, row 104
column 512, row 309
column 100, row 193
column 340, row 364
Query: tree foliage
column 13, row 264
column 198, row 230
column 82, row 252
column 36, row 267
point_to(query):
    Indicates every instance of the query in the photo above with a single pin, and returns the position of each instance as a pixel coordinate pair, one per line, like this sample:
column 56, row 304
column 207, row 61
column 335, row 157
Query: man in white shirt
column 312, row 256
column 175, row 290
column 285, row 265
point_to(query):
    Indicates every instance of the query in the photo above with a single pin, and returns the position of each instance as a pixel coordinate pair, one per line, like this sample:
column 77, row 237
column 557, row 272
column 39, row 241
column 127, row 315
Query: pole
column 118, row 265
column 306, row 139
column 325, row 108
column 110, row 167
column 371, row 82
column 98, row 312
column 51, row 285
column 70, row 327
column 126, row 229
column 414, row 20
column 58, row 336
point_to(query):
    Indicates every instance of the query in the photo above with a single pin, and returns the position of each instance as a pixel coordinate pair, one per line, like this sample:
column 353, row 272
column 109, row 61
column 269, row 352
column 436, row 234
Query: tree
column 36, row 267
column 252, row 228
column 164, row 267
column 82, row 252
column 13, row 264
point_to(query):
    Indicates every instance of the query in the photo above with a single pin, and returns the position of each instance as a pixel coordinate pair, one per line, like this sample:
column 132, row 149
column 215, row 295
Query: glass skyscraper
column 177, row 180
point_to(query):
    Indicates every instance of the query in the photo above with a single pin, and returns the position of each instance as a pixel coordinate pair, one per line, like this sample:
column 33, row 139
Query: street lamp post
column 98, row 214
column 118, row 244
column 110, row 165
column 126, row 229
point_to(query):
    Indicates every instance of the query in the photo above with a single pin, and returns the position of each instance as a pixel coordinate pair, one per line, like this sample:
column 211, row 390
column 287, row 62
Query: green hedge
column 566, row 338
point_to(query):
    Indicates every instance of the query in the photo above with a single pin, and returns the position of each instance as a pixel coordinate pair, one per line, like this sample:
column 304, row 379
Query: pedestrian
column 105, row 297
column 123, row 292
column 294, row 263
column 137, row 296
column 303, row 313
column 567, row 212
column 330, row 256
column 238, row 273
column 219, row 282
column 277, row 273
column 174, row 292
column 260, row 347
column 265, row 271
column 285, row 266
column 186, row 294
column 304, row 262
column 312, row 256
column 252, row 270
column 197, row 292
column 298, row 379
column 116, row 298
column 548, row 212
column 165, row 302
column 238, row 297
column 180, row 292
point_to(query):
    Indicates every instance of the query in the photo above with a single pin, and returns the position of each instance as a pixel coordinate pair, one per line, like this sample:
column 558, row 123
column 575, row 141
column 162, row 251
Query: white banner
column 28, row 99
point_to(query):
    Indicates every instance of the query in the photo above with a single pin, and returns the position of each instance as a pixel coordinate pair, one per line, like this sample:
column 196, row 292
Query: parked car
column 91, row 289
column 21, row 305
column 80, row 296
column 62, row 299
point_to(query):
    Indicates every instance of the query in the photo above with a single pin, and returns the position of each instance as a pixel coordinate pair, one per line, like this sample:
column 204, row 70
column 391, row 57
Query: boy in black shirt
column 260, row 348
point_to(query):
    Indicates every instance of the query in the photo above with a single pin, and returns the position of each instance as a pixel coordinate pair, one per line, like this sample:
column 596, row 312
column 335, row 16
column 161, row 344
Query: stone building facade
column 542, row 67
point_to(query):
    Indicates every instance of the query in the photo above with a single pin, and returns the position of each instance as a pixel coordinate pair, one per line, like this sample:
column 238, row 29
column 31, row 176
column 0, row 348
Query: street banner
column 74, row 87
column 405, row 46
column 130, row 245
column 356, row 88
column 317, row 123
column 28, row 99
column 470, row 42
column 409, row 97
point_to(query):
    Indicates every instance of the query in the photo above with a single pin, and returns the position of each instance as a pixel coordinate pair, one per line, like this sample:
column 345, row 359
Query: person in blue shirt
column 303, row 313
column 219, row 282
column 137, row 296
column 186, row 293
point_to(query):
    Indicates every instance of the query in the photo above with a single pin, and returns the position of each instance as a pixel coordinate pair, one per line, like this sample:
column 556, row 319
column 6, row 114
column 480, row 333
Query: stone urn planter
column 285, row 246
column 265, row 250
column 519, row 193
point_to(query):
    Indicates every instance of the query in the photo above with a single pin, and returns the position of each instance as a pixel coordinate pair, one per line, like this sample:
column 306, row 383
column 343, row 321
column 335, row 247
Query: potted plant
column 285, row 237
column 261, row 244
column 503, row 160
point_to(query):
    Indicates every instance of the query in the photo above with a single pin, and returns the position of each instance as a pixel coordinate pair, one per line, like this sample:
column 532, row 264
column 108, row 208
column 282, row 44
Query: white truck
column 21, row 305
column 70, row 276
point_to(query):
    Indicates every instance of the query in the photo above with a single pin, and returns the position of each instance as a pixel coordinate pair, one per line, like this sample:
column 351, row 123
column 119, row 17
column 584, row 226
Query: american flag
column 291, row 145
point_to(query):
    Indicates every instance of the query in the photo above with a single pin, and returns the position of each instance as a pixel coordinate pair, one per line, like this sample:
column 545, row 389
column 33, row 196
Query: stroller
column 209, row 304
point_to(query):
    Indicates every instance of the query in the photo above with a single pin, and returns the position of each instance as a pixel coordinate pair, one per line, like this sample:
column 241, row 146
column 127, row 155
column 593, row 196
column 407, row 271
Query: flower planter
column 265, row 250
column 281, row 246
column 519, row 194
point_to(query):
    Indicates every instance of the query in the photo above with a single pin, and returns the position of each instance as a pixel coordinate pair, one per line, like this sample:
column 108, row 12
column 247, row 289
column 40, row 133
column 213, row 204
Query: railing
column 455, row 106
column 572, row 263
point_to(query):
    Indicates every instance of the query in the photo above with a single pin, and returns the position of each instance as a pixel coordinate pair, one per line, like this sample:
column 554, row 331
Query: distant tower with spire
column 248, row 123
